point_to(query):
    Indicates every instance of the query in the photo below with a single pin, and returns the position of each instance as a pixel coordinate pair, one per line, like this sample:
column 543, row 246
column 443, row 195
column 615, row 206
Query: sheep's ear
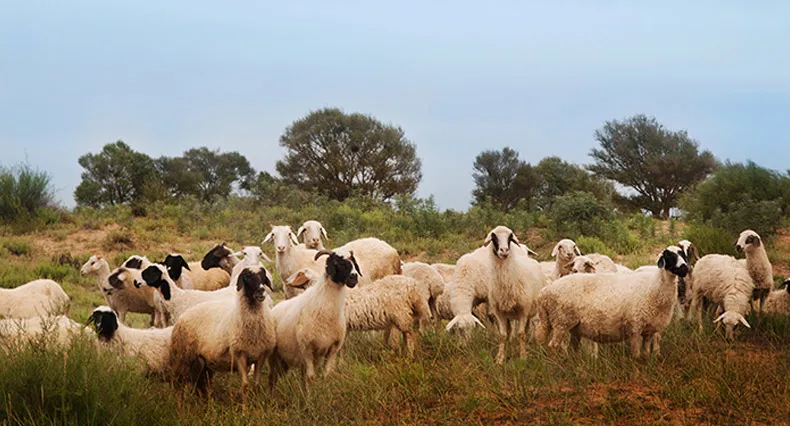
column 753, row 239
column 299, row 279
column 265, row 257
column 293, row 238
column 513, row 239
column 531, row 252
column 268, row 238
column 300, row 231
column 488, row 239
column 719, row 318
column 576, row 250
column 238, row 254
column 184, row 263
column 589, row 268
column 555, row 250
column 662, row 262
column 743, row 321
column 694, row 250
column 786, row 285
column 356, row 266
column 243, row 277
column 323, row 232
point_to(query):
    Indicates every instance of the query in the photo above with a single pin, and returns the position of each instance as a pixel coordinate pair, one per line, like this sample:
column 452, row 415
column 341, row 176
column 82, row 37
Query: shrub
column 590, row 244
column 17, row 247
column 578, row 213
column 23, row 192
column 709, row 239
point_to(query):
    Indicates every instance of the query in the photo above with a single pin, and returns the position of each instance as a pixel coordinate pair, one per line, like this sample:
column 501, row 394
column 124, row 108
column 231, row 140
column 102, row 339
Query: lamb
column 290, row 257
column 778, row 301
column 152, row 345
column 171, row 302
column 564, row 252
column 64, row 329
column 612, row 307
column 376, row 258
column 445, row 270
column 515, row 282
column 312, row 231
column 222, row 334
column 34, row 299
column 723, row 281
column 429, row 280
column 311, row 327
column 757, row 264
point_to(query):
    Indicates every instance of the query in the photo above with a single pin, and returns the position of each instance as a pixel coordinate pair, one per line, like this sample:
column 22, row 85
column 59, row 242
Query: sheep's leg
column 388, row 337
column 635, row 343
column 242, row 367
column 647, row 342
column 408, row 337
column 152, row 323
column 503, row 334
column 557, row 336
column 656, row 346
column 520, row 326
column 331, row 359
column 277, row 368
column 576, row 341
column 696, row 303
column 122, row 316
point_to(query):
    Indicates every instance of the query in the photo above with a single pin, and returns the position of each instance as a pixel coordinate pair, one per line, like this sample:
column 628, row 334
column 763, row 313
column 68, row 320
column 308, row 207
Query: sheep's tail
column 543, row 329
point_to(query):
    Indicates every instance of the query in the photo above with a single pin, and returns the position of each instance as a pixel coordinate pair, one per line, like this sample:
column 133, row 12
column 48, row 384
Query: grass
column 698, row 379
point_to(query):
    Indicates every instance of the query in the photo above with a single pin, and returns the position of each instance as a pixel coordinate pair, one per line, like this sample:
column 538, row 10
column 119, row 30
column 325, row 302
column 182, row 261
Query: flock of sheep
column 218, row 314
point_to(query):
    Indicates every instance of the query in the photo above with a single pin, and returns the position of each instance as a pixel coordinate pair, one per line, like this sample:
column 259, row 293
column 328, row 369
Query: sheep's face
column 175, row 264
column 254, row 282
column 748, row 240
column 156, row 276
column 312, row 231
column 731, row 320
column 342, row 270
column 689, row 249
column 674, row 260
column 219, row 257
column 500, row 239
column 282, row 237
column 565, row 250
column 581, row 264
column 252, row 253
column 105, row 322
column 92, row 266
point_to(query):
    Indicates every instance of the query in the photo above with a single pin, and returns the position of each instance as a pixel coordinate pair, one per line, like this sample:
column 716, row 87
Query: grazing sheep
column 564, row 253
column 222, row 334
column 757, row 264
column 35, row 299
column 376, row 258
column 429, row 280
column 470, row 285
column 445, row 270
column 171, row 301
column 290, row 257
column 152, row 345
column 312, row 234
column 611, row 307
column 723, row 281
column 778, row 301
column 311, row 327
column 14, row 330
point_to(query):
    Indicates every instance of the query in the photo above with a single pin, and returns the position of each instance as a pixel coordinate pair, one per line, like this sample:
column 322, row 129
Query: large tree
column 557, row 177
column 503, row 178
column 657, row 163
column 206, row 174
column 342, row 154
column 116, row 175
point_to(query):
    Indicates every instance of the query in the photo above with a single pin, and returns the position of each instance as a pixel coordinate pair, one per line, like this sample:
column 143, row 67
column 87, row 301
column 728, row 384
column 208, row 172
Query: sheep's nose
column 280, row 249
column 315, row 240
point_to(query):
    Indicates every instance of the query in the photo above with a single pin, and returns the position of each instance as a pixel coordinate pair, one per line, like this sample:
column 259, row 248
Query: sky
column 459, row 77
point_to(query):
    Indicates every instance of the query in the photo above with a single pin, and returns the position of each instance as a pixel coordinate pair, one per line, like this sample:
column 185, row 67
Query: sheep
column 222, row 334
column 445, row 270
column 64, row 329
column 515, row 282
column 564, row 253
column 429, row 280
column 376, row 258
column 595, row 263
column 757, row 264
column 290, row 257
column 252, row 256
column 34, row 299
column 119, row 299
column 175, row 264
column 470, row 285
column 123, row 296
column 612, row 307
column 220, row 256
column 312, row 231
column 213, row 271
column 778, row 301
column 152, row 345
column 725, row 282
column 311, row 327
column 171, row 302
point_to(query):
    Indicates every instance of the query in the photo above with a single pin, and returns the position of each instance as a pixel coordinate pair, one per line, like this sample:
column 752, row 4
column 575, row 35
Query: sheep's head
column 342, row 270
column 175, row 264
column 156, row 276
column 136, row 262
column 93, row 265
column 255, row 282
column 464, row 324
column 565, row 250
column 747, row 241
column 581, row 264
column 282, row 237
column 674, row 260
column 731, row 320
column 501, row 237
column 252, row 253
column 105, row 322
column 689, row 249
column 219, row 257
column 119, row 278
column 312, row 234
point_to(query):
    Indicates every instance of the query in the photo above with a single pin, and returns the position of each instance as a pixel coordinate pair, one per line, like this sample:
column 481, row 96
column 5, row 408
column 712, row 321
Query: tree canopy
column 657, row 163
column 206, row 174
column 116, row 175
column 342, row 154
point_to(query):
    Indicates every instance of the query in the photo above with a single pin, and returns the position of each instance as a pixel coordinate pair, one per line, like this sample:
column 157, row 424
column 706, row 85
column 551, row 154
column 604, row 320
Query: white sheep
column 311, row 327
column 778, row 301
column 757, row 264
column 312, row 231
column 445, row 270
column 429, row 280
column 36, row 298
column 469, row 287
column 725, row 282
column 64, row 329
column 290, row 257
column 375, row 257
column 251, row 256
column 151, row 345
column 564, row 253
column 171, row 302
column 611, row 307
column 225, row 334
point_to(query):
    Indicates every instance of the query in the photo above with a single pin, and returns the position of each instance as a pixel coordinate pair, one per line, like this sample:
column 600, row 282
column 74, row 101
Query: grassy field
column 698, row 379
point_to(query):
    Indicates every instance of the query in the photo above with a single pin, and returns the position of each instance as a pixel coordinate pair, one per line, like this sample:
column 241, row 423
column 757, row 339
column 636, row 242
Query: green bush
column 590, row 244
column 710, row 240
column 16, row 246
column 578, row 213
column 23, row 192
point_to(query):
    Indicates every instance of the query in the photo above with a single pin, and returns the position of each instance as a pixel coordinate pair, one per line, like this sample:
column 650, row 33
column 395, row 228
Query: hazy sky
column 459, row 77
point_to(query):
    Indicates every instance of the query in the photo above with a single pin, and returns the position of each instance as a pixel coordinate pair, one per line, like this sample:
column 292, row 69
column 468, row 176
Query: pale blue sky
column 460, row 77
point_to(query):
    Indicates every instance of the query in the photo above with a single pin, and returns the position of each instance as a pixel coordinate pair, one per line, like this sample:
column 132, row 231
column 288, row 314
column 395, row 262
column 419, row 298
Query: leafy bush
column 590, row 244
column 579, row 213
column 17, row 247
column 710, row 240
column 738, row 197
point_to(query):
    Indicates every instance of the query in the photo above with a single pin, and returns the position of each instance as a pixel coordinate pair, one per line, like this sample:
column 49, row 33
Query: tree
column 206, row 174
column 557, row 178
column 116, row 175
column 342, row 154
column 657, row 163
column 503, row 178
